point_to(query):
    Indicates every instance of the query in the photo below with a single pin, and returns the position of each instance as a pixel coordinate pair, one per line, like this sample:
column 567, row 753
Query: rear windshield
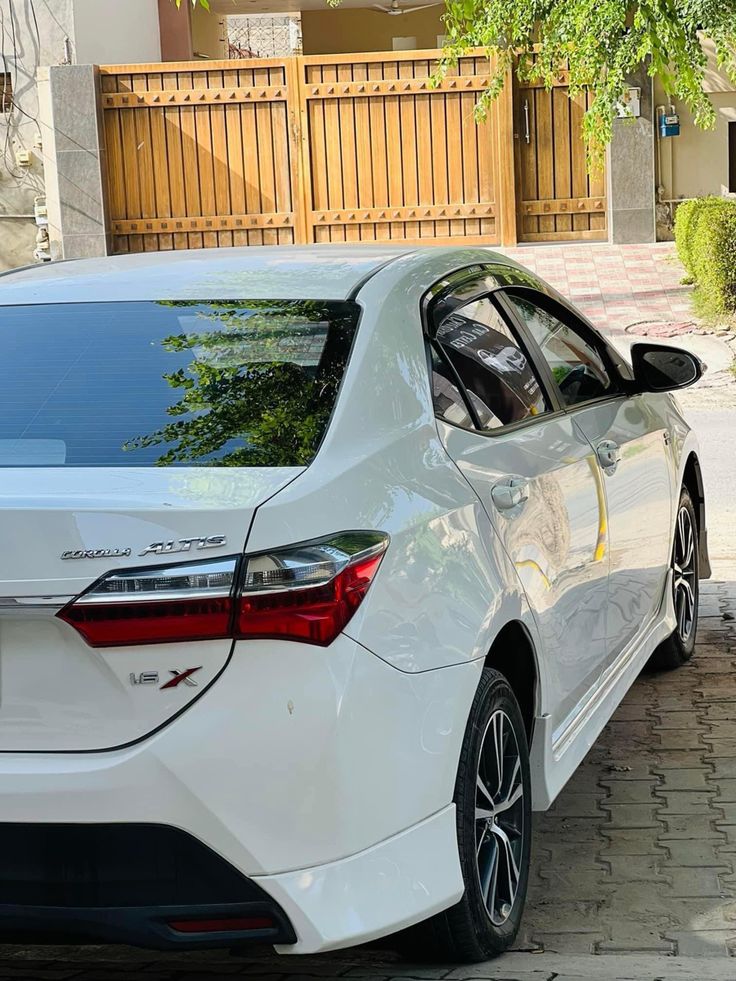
column 170, row 383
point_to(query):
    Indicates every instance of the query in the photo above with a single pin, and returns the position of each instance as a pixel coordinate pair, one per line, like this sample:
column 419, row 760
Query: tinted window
column 172, row 383
column 449, row 404
column 578, row 367
column 492, row 366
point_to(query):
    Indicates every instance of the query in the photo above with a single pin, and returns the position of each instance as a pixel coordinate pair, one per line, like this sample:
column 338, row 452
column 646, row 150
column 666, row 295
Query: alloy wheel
column 684, row 574
column 499, row 818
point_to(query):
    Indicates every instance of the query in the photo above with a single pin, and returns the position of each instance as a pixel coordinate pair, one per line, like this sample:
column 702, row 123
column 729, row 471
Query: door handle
column 527, row 134
column 510, row 493
column 609, row 455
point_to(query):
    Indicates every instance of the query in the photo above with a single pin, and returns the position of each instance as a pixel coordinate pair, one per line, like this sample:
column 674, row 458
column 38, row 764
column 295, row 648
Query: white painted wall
column 114, row 32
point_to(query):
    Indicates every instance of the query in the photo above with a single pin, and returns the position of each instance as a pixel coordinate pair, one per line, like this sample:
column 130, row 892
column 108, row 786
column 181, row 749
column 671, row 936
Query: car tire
column 679, row 646
column 485, row 923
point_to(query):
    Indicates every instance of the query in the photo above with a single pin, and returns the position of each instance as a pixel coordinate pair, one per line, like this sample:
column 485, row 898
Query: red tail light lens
column 307, row 593
column 157, row 605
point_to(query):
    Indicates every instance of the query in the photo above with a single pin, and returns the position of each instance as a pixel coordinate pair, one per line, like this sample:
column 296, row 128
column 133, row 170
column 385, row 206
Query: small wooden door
column 557, row 200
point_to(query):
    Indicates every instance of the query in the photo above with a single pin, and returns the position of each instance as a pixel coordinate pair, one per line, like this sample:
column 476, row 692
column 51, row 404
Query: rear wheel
column 493, row 804
column 679, row 647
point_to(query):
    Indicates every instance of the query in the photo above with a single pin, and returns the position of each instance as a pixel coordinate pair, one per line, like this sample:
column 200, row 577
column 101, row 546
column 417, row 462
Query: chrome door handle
column 609, row 455
column 527, row 134
column 510, row 493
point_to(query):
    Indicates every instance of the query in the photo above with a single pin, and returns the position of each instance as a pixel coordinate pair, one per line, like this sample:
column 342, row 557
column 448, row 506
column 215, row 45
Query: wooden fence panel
column 201, row 155
column 340, row 148
column 392, row 157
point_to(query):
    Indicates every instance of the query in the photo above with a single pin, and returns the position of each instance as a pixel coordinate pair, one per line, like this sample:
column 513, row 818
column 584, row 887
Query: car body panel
column 328, row 773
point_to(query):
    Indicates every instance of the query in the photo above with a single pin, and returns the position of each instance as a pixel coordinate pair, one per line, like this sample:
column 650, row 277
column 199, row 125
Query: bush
column 705, row 236
column 687, row 219
column 712, row 256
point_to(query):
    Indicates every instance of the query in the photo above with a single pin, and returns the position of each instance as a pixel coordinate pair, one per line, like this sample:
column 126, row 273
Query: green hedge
column 705, row 235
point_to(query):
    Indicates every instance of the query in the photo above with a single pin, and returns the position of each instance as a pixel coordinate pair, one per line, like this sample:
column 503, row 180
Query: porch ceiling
column 231, row 7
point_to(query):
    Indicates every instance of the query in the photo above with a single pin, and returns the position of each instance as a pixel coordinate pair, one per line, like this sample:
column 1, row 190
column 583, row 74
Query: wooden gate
column 201, row 157
column 355, row 148
column 557, row 199
column 389, row 156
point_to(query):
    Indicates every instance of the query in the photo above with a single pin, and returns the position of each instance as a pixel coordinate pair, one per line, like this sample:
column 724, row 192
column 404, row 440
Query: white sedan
column 321, row 568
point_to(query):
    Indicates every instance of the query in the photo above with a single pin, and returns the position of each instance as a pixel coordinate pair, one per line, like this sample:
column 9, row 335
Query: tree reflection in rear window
column 170, row 383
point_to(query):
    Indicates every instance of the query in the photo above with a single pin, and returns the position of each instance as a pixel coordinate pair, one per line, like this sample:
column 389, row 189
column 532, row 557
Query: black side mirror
column 659, row 368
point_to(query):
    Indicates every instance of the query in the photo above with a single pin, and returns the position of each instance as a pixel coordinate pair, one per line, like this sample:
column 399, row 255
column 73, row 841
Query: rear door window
column 500, row 380
column 170, row 383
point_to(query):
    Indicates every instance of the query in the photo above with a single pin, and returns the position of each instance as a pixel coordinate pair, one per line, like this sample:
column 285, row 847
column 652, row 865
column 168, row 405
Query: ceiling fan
column 395, row 9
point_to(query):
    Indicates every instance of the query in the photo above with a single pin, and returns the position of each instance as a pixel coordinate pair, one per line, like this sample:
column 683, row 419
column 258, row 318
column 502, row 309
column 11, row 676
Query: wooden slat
column 506, row 229
column 545, row 154
column 411, row 213
column 348, row 150
column 563, row 174
column 175, row 161
column 205, row 159
column 418, row 54
column 219, row 155
column 201, row 223
column 438, row 120
column 396, row 86
column 266, row 176
column 379, row 159
column 424, row 153
column 185, row 96
column 393, row 153
column 318, row 160
column 363, row 140
column 578, row 169
column 563, row 206
column 409, row 157
column 236, row 150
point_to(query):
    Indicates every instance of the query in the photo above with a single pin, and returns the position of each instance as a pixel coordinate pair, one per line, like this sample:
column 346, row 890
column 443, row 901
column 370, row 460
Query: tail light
column 306, row 592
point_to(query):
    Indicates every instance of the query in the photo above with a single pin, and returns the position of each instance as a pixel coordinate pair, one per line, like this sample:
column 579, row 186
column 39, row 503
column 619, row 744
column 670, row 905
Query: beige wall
column 696, row 162
column 208, row 33
column 338, row 31
column 108, row 32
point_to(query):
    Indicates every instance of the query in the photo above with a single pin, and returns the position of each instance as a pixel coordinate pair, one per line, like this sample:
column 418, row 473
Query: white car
column 305, row 600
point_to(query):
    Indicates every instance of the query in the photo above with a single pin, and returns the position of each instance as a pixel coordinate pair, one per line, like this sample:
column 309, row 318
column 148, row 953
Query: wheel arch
column 513, row 653
column 692, row 478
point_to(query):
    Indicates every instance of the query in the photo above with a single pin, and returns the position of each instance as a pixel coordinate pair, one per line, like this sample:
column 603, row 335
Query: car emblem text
column 96, row 553
column 179, row 677
column 184, row 545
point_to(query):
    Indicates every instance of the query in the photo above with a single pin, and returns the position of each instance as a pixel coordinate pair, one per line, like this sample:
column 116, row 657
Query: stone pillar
column 74, row 161
column 631, row 179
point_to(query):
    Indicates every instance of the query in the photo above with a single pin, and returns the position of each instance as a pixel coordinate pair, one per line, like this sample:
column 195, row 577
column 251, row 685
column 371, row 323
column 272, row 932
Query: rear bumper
column 324, row 776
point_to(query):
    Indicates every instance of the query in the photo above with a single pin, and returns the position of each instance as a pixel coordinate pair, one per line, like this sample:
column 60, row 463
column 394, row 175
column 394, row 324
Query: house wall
column 208, row 35
column 25, row 50
column 696, row 162
column 108, row 32
column 348, row 29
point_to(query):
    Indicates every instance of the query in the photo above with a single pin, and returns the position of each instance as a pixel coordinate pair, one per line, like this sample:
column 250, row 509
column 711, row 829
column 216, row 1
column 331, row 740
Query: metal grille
column 257, row 36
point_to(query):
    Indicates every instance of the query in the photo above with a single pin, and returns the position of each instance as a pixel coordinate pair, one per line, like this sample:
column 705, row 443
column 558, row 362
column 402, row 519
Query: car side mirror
column 660, row 368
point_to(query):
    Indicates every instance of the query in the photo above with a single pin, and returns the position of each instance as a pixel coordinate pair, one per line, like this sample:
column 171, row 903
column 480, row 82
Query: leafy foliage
column 237, row 406
column 600, row 42
column 705, row 234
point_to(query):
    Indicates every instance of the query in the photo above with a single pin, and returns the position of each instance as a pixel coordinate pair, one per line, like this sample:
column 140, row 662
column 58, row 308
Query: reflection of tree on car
column 474, row 349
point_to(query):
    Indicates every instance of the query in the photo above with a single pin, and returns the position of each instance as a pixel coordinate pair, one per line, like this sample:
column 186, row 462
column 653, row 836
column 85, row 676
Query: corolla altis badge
column 184, row 545
column 96, row 553
column 155, row 548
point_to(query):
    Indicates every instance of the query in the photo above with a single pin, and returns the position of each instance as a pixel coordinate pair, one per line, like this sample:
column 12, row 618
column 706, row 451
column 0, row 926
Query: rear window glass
column 170, row 383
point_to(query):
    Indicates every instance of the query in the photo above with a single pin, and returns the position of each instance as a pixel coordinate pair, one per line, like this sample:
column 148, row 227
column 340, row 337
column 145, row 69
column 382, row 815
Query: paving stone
column 692, row 883
column 631, row 841
column 622, row 791
column 675, row 720
column 699, row 826
column 633, row 712
column 576, row 806
column 729, row 813
column 692, row 779
column 575, row 885
column 701, row 943
column 568, row 943
column 723, row 768
column 687, row 802
column 632, row 816
column 720, row 710
column 693, row 853
column 572, row 854
column 679, row 739
column 625, row 869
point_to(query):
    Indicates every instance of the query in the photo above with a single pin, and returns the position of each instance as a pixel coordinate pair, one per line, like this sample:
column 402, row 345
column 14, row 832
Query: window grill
column 259, row 36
